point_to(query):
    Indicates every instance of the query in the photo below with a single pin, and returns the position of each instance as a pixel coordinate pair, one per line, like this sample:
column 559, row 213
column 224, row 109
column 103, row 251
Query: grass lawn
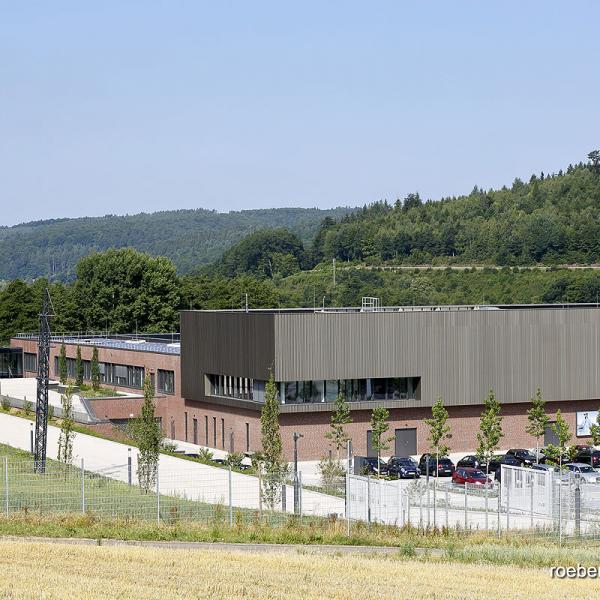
column 35, row 570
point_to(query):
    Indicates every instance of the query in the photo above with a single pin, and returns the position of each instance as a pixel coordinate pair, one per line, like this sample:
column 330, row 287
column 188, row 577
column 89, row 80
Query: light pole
column 297, row 436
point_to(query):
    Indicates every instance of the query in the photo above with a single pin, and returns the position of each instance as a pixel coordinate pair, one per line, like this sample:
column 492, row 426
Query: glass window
column 331, row 390
column 30, row 362
column 166, row 381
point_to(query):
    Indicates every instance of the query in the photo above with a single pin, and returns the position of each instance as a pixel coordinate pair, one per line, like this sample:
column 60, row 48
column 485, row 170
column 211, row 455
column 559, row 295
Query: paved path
column 225, row 547
column 177, row 476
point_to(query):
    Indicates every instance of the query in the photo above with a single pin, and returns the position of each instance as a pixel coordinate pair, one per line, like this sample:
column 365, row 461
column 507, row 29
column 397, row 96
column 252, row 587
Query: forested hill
column 188, row 237
column 552, row 219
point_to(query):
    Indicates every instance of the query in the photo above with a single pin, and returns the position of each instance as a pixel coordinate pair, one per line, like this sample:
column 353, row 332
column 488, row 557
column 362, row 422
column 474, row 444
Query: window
column 214, row 432
column 185, row 425
column 121, row 375
column 206, row 429
column 223, row 434
column 195, row 422
column 11, row 362
column 247, row 437
column 166, row 381
column 232, row 387
column 172, row 429
column 30, row 362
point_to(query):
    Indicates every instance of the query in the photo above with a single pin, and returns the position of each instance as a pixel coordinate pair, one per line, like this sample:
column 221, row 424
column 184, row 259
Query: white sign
column 585, row 420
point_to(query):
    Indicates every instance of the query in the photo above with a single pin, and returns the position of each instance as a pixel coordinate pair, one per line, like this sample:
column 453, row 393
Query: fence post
column 486, row 505
column 6, row 483
column 157, row 497
column 559, row 508
column 531, row 499
column 499, row 506
column 399, row 517
column 31, row 437
column 82, row 487
column 129, row 465
column 508, row 475
column 300, row 490
column 348, row 511
column 447, row 502
column 230, row 499
column 428, row 512
column 466, row 516
column 434, row 503
column 260, row 491
column 369, row 499
column 577, row 509
column 421, row 509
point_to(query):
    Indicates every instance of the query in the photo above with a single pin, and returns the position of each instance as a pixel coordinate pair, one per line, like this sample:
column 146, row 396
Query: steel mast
column 43, row 372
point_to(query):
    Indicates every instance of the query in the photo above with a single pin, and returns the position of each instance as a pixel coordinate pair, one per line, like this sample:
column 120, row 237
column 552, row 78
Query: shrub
column 27, row 406
column 234, row 460
column 5, row 404
column 205, row 455
column 168, row 446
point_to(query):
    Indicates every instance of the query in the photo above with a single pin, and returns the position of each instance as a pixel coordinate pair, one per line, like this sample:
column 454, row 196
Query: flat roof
column 167, row 343
column 404, row 309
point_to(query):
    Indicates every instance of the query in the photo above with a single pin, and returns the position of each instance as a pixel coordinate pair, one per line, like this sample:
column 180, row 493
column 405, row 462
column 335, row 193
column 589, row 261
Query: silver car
column 585, row 473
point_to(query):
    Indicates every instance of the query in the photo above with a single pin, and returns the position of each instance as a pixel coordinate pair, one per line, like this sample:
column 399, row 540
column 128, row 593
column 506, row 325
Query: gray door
column 549, row 436
column 406, row 442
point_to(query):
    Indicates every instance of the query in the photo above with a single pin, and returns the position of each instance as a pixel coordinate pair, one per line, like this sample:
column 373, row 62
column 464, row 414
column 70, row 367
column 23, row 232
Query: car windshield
column 477, row 474
column 406, row 462
column 586, row 470
column 445, row 461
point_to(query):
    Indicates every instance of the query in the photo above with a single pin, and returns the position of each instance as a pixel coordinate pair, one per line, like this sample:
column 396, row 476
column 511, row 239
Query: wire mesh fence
column 525, row 502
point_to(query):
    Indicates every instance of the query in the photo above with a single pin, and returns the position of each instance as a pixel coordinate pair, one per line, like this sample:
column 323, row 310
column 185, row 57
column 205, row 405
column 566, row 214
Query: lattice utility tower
column 41, row 407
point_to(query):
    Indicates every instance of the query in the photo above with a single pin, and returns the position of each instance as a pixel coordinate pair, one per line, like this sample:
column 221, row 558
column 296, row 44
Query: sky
column 119, row 107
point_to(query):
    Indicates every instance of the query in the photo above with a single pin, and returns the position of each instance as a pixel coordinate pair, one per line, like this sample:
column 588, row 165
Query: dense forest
column 552, row 219
column 188, row 237
column 529, row 229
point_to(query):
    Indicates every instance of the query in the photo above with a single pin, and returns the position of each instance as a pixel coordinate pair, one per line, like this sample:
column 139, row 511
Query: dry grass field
column 38, row 570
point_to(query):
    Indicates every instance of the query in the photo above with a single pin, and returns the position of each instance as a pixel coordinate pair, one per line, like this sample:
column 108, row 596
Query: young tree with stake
column 439, row 431
column 490, row 430
column 537, row 420
column 67, row 435
column 331, row 469
column 78, row 368
column 379, row 427
column 555, row 452
column 95, row 370
column 272, row 449
column 146, row 433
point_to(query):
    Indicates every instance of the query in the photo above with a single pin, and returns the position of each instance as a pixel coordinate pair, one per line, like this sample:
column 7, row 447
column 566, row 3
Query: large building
column 210, row 384
column 400, row 358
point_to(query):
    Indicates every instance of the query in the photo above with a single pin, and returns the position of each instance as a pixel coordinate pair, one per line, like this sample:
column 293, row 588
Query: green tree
column 62, row 364
column 125, row 290
column 556, row 452
column 379, row 427
column 340, row 417
column 78, row 368
column 594, row 157
column 272, row 450
column 67, row 435
column 537, row 419
column 146, row 433
column 95, row 370
column 439, row 430
column 490, row 429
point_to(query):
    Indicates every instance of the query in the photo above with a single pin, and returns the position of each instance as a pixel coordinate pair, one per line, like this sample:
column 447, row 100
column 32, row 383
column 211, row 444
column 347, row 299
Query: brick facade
column 244, row 424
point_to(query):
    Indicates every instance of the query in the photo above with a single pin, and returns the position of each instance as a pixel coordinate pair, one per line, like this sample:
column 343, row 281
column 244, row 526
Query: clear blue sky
column 127, row 106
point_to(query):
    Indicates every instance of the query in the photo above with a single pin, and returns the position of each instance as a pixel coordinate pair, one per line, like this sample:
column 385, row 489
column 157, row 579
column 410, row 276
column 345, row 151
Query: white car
column 585, row 473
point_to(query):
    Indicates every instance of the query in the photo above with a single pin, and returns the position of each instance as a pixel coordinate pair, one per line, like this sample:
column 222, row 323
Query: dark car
column 370, row 466
column 403, row 468
column 525, row 457
column 507, row 459
column 471, row 462
column 443, row 467
column 589, row 456
column 464, row 475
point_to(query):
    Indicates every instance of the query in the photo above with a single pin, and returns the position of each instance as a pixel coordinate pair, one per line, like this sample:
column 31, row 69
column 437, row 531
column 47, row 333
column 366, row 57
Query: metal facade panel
column 458, row 355
column 224, row 343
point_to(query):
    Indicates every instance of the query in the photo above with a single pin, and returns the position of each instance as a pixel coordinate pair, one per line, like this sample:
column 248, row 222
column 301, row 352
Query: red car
column 470, row 475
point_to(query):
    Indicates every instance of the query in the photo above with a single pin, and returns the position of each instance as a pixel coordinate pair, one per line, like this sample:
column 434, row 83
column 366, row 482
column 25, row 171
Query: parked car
column 428, row 464
column 472, row 462
column 542, row 467
column 498, row 459
column 464, row 475
column 370, row 466
column 525, row 457
column 584, row 473
column 588, row 455
column 403, row 467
